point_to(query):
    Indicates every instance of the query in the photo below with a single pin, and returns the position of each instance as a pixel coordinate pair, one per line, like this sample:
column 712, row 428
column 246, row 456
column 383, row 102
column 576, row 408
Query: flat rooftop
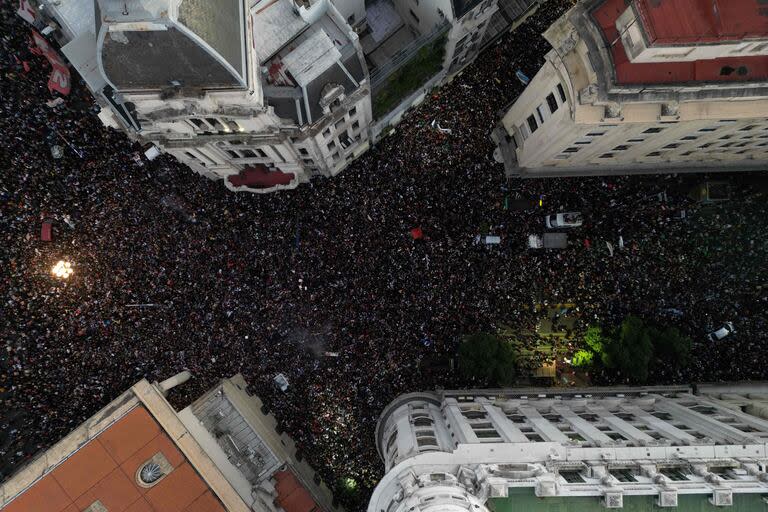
column 275, row 23
column 524, row 500
column 703, row 21
column 729, row 69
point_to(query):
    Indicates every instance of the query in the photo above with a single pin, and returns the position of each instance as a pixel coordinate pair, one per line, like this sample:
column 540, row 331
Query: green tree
column 671, row 346
column 488, row 358
column 595, row 339
column 583, row 358
column 631, row 349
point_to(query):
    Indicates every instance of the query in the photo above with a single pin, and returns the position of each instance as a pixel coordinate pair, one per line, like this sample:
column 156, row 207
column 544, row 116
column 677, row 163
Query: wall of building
column 604, row 442
column 464, row 40
column 352, row 10
column 424, row 16
column 559, row 126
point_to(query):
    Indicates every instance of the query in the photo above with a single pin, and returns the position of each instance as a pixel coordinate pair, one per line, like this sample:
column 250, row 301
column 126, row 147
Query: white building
column 263, row 94
column 540, row 449
column 637, row 88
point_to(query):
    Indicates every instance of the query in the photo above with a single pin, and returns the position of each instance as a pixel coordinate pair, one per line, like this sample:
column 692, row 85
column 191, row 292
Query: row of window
column 673, row 145
column 341, row 122
column 252, row 152
column 214, row 125
column 544, row 111
column 628, row 475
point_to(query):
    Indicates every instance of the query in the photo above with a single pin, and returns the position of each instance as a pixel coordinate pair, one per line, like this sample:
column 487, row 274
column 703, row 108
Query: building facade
column 138, row 454
column 577, row 449
column 636, row 87
column 262, row 94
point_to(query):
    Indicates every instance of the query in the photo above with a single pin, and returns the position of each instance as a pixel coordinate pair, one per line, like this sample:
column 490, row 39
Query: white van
column 564, row 220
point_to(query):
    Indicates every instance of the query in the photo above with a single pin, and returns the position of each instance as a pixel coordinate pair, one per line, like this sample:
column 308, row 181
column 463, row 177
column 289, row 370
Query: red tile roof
column 702, row 21
column 105, row 469
column 737, row 69
column 291, row 495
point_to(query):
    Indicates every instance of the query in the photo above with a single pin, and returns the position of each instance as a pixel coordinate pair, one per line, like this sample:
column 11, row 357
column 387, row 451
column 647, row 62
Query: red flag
column 60, row 78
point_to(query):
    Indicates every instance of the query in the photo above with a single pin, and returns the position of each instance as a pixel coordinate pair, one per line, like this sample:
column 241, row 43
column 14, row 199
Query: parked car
column 563, row 220
column 281, row 382
column 724, row 331
column 487, row 240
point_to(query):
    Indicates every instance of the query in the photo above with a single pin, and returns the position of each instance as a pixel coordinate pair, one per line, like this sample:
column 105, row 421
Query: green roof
column 524, row 500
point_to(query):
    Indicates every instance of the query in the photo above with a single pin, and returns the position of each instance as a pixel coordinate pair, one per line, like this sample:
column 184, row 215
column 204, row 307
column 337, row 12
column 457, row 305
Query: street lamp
column 62, row 269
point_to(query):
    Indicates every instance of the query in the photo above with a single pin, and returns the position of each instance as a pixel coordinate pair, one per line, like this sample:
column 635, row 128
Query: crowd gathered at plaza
column 326, row 284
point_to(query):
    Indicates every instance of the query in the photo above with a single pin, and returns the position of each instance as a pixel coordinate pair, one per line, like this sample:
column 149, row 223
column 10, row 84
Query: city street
column 171, row 271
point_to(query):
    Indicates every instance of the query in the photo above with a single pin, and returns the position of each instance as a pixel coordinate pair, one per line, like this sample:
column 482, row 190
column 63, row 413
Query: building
column 644, row 87
column 222, row 453
column 263, row 94
column 424, row 43
column 575, row 449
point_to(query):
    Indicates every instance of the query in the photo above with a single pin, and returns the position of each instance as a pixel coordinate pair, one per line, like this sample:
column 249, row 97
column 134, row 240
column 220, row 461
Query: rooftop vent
column 150, row 473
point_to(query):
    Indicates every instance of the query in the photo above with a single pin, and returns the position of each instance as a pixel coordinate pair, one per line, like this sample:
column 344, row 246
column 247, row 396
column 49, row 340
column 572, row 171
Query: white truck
column 548, row 241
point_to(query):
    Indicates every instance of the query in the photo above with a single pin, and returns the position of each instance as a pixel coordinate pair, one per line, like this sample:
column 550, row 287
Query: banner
column 60, row 78
column 26, row 11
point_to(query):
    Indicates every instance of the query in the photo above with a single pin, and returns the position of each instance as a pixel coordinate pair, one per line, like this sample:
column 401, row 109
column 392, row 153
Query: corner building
column 262, row 94
column 223, row 453
column 564, row 449
column 644, row 87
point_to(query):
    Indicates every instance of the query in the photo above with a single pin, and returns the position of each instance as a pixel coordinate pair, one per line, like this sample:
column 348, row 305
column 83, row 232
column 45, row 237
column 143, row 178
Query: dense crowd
column 266, row 284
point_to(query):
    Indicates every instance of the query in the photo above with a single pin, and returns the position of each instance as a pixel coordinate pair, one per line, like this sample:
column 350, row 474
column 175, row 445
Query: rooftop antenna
column 125, row 9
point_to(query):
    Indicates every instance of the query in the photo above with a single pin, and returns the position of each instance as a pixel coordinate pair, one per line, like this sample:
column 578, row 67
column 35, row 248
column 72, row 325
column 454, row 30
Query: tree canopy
column 630, row 350
column 671, row 345
column 488, row 358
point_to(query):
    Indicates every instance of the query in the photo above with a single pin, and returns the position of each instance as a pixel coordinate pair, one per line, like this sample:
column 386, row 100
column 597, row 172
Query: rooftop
column 729, row 69
column 275, row 23
column 702, row 21
column 105, row 468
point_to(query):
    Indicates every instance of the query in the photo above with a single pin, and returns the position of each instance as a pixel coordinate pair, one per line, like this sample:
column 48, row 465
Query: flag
column 26, row 11
column 59, row 79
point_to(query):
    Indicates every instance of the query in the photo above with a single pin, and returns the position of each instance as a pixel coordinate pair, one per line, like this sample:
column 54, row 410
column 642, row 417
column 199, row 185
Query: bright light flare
column 62, row 269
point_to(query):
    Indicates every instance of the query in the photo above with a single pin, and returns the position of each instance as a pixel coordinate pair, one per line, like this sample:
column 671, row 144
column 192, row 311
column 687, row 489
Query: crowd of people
column 267, row 284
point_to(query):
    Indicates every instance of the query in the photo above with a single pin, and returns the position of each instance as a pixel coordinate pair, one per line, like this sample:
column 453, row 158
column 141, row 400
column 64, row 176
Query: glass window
column 552, row 102
column 561, row 91
column 532, row 124
column 655, row 129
